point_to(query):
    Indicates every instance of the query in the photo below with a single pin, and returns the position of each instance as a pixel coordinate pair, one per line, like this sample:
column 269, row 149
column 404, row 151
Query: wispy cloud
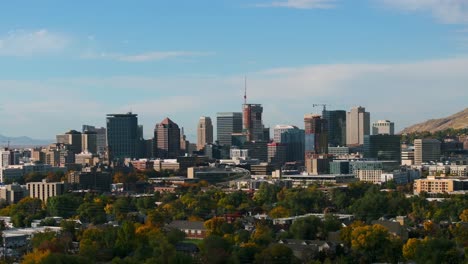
column 445, row 11
column 145, row 57
column 387, row 90
column 21, row 43
column 300, row 4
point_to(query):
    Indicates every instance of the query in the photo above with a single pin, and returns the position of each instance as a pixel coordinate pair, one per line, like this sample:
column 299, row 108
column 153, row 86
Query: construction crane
column 8, row 144
column 324, row 106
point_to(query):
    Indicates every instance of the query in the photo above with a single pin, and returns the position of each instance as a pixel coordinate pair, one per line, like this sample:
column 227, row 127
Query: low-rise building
column 44, row 190
column 13, row 193
column 435, row 185
column 193, row 230
column 304, row 180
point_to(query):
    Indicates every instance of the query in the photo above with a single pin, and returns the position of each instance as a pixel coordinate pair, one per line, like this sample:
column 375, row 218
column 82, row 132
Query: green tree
column 92, row 212
column 306, row 228
column 125, row 242
column 25, row 211
column 276, row 253
column 63, row 205
column 215, row 249
column 266, row 194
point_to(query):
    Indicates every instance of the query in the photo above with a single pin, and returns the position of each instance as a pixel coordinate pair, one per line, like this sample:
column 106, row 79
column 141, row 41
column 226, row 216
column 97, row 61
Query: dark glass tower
column 122, row 135
column 336, row 127
column 228, row 123
column 382, row 147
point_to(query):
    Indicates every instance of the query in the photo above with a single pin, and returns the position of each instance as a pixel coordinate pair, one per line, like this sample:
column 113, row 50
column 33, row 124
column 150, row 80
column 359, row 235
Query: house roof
column 180, row 224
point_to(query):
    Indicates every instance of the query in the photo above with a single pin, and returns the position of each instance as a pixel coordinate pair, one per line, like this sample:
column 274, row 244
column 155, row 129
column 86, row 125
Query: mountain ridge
column 22, row 141
column 456, row 121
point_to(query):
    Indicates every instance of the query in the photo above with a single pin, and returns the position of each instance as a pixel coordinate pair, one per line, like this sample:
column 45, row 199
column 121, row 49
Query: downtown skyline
column 63, row 67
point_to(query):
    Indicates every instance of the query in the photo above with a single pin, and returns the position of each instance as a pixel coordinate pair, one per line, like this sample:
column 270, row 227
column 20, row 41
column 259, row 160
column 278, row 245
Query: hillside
column 22, row 141
column 456, row 121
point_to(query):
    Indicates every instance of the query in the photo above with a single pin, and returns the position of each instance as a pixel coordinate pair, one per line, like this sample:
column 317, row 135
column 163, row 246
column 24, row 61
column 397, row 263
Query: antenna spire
column 245, row 87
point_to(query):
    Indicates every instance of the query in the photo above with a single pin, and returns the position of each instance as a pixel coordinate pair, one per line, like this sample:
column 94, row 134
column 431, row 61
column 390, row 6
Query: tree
column 306, row 228
column 215, row 249
column 432, row 250
column 266, row 194
column 464, row 216
column 411, row 248
column 125, row 242
column 63, row 205
column 121, row 207
column 279, row 212
column 276, row 253
column 92, row 212
column 25, row 211
column 367, row 242
column 214, row 226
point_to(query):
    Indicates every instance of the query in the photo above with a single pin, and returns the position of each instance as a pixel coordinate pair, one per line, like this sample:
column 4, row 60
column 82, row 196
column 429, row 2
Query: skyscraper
column 382, row 147
column 72, row 138
column 167, row 139
column 228, row 123
column 316, row 135
column 293, row 138
column 204, row 132
column 426, row 150
column 383, row 127
column 280, row 129
column 357, row 126
column 277, row 154
column 101, row 137
column 122, row 135
column 336, row 127
column 89, row 141
column 252, row 121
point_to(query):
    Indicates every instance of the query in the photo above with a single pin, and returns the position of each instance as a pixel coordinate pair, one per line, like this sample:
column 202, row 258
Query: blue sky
column 64, row 64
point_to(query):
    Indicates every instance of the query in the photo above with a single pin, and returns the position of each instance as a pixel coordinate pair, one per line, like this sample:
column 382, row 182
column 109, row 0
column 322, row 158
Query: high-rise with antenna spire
column 245, row 89
column 252, row 119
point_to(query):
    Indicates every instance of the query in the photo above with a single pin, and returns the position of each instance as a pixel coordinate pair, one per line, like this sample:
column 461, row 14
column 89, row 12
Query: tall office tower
column 72, row 138
column 184, row 143
column 89, row 142
column 382, row 147
column 101, row 137
column 383, row 127
column 252, row 121
column 122, row 135
column 167, row 139
column 4, row 158
column 204, row 132
column 266, row 134
column 336, row 127
column 426, row 150
column 228, row 123
column 293, row 138
column 357, row 126
column 279, row 130
column 277, row 154
column 316, row 135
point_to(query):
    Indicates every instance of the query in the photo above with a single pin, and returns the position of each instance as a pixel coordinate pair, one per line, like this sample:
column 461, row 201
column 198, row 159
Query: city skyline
column 64, row 69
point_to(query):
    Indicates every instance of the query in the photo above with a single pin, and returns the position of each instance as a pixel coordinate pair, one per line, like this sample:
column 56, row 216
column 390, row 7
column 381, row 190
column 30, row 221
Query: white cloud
column 145, row 57
column 301, row 4
column 445, row 11
column 405, row 93
column 26, row 43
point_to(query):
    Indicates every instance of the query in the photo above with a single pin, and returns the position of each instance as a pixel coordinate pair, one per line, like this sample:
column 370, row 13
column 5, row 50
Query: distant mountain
column 456, row 121
column 23, row 141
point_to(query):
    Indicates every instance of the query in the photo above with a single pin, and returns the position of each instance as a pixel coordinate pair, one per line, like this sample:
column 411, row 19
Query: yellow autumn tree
column 36, row 257
column 410, row 249
column 279, row 212
column 464, row 216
